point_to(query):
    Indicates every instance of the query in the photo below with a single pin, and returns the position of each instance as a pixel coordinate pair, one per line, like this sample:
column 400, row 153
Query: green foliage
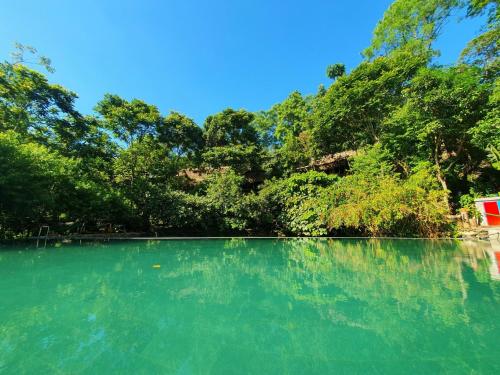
column 19, row 57
column 291, row 204
column 443, row 107
column 335, row 71
column 181, row 134
column 144, row 173
column 38, row 110
column 292, row 116
column 230, row 127
column 486, row 133
column 415, row 22
column 33, row 182
column 381, row 204
column 427, row 141
column 232, row 141
column 350, row 114
column 233, row 209
column 128, row 120
column 241, row 158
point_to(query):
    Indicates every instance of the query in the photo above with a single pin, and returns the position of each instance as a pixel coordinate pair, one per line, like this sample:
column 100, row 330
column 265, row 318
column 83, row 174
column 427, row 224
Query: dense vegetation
column 426, row 140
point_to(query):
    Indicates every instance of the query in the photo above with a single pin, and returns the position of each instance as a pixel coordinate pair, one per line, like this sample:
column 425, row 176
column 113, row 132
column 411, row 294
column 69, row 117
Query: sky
column 199, row 57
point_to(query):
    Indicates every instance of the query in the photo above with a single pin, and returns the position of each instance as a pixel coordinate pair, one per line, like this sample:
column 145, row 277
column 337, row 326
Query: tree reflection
column 303, row 305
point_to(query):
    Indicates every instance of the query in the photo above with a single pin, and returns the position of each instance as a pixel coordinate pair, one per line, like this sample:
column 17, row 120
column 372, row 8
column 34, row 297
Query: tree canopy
column 425, row 140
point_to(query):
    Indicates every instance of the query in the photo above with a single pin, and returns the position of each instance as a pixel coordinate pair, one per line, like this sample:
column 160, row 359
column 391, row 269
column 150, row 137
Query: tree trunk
column 440, row 176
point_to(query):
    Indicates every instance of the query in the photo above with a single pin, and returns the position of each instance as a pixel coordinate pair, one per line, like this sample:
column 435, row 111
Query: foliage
column 144, row 173
column 443, row 106
column 33, row 182
column 416, row 22
column 181, row 134
column 128, row 120
column 427, row 136
column 351, row 112
column 230, row 127
column 38, row 110
column 373, row 201
column 233, row 209
column 335, row 71
column 291, row 203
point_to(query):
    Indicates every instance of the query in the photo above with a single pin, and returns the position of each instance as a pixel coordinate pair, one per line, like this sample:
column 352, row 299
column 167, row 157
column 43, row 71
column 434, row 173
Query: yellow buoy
column 156, row 266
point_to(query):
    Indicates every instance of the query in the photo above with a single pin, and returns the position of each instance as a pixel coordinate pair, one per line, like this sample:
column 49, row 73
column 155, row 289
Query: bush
column 382, row 204
column 291, row 205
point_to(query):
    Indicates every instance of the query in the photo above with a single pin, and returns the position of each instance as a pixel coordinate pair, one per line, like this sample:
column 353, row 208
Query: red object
column 497, row 255
column 491, row 209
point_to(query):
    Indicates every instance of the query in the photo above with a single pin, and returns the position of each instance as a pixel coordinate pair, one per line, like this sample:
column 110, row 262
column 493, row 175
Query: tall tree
column 483, row 50
column 230, row 127
column 443, row 106
column 128, row 120
column 351, row 112
column 232, row 141
column 39, row 110
column 415, row 23
column 181, row 134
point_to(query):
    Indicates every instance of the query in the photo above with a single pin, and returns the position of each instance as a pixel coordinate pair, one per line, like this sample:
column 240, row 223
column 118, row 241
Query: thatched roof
column 331, row 161
column 197, row 175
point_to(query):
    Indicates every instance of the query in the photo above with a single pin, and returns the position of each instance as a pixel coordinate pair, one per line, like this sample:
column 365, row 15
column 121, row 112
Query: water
column 249, row 307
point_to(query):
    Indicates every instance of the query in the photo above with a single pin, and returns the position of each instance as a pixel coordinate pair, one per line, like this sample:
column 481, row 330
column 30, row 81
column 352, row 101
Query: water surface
column 254, row 306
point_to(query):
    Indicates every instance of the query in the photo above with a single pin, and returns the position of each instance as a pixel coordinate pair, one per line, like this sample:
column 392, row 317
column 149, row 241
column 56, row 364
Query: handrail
column 46, row 233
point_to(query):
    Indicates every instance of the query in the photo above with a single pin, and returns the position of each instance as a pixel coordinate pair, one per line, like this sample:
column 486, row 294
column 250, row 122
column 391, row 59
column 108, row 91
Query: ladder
column 40, row 234
column 46, row 232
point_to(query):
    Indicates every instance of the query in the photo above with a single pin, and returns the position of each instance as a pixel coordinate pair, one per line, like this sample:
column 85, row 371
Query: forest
column 393, row 147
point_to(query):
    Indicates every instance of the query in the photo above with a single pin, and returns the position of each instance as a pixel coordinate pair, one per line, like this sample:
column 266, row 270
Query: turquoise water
column 249, row 307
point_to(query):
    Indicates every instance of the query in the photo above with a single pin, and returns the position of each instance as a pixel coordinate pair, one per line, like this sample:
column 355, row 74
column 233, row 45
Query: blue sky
column 199, row 57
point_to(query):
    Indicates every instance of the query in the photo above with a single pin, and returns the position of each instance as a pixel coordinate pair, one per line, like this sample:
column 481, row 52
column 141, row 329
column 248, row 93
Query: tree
column 145, row 173
column 335, row 71
column 40, row 111
column 19, row 57
column 128, row 120
column 483, row 50
column 351, row 112
column 181, row 134
column 231, row 140
column 375, row 201
column 233, row 209
column 410, row 23
column 34, row 182
column 230, row 127
column 443, row 106
column 486, row 134
column 291, row 204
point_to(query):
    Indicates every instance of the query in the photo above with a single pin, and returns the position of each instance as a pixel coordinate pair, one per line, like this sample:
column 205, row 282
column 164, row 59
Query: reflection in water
column 494, row 254
column 250, row 306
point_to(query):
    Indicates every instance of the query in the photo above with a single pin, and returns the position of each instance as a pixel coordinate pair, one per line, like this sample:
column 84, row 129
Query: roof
column 330, row 161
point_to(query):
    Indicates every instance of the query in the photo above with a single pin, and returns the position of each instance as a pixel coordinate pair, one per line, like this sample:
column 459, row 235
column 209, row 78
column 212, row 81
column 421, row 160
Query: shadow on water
column 249, row 306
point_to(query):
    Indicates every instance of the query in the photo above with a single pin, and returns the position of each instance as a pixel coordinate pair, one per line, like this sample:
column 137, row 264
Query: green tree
column 145, row 173
column 483, row 49
column 128, row 120
column 37, row 109
column 414, row 24
column 291, row 206
column 353, row 109
column 442, row 108
column 231, row 140
column 233, row 209
column 34, row 182
column 181, row 134
column 375, row 201
column 335, row 71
